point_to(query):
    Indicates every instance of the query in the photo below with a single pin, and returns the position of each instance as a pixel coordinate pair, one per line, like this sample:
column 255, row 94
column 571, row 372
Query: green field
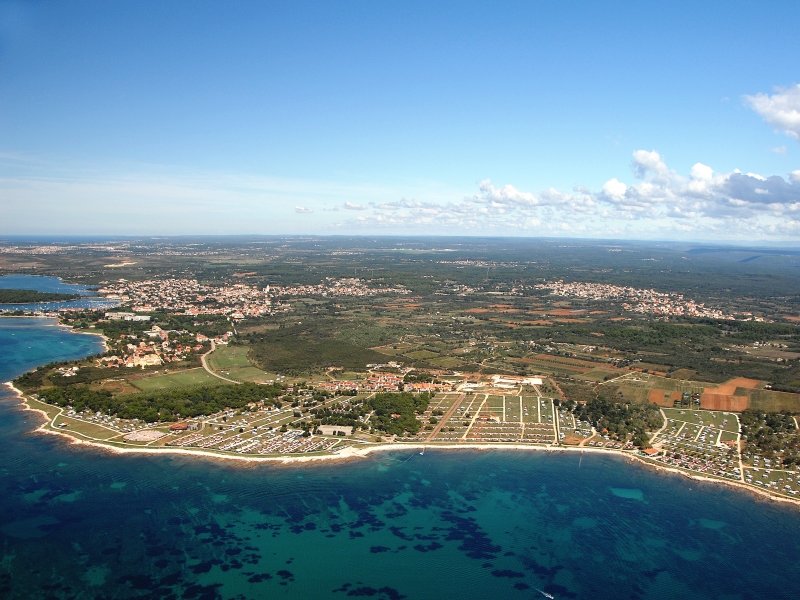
column 720, row 420
column 421, row 354
column 228, row 357
column 599, row 374
column 446, row 362
column 253, row 374
column 633, row 392
column 177, row 379
column 679, row 385
column 770, row 401
column 393, row 349
column 232, row 362
column 85, row 429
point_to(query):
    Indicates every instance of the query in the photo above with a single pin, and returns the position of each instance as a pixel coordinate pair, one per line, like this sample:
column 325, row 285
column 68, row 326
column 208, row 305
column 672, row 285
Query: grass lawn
column 421, row 354
column 348, row 375
column 115, row 386
column 599, row 374
column 168, row 381
column 228, row 357
column 680, row 385
column 232, row 362
column 253, row 374
column 86, row 429
column 393, row 349
column 446, row 362
column 634, row 393
column 725, row 421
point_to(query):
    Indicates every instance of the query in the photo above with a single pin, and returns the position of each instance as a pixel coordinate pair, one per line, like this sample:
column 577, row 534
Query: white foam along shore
column 352, row 453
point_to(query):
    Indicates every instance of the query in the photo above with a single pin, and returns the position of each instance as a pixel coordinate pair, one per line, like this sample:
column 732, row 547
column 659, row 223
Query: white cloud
column 781, row 109
column 507, row 194
column 648, row 163
column 701, row 172
column 615, row 189
column 654, row 202
column 658, row 203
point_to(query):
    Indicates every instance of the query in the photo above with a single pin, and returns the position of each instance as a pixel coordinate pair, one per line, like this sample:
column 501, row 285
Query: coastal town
column 168, row 332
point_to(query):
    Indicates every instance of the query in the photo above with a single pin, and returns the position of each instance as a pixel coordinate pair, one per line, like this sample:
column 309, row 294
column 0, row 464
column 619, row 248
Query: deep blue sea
column 77, row 522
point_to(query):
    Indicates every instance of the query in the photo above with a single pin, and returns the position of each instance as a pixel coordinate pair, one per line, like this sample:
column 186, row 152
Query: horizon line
column 111, row 237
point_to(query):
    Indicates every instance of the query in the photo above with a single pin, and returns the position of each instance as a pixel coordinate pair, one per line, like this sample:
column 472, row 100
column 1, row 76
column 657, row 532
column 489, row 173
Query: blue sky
column 640, row 120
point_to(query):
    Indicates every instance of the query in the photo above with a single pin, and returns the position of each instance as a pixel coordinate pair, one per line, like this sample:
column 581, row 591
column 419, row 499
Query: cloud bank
column 657, row 203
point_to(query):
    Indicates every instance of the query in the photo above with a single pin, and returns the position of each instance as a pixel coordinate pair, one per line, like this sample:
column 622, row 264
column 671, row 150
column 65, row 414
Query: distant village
column 236, row 301
column 189, row 297
column 642, row 301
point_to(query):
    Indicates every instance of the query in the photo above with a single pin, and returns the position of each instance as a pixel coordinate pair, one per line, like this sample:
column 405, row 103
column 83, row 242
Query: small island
column 28, row 296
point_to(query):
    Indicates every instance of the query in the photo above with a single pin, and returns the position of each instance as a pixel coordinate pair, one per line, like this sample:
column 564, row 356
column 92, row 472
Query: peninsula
column 11, row 296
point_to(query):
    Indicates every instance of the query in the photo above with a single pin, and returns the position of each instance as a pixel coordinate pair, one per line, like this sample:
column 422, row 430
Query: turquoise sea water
column 77, row 522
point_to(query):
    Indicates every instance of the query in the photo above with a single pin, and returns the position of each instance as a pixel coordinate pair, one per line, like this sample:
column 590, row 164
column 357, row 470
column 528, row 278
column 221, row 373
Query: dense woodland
column 341, row 413
column 313, row 345
column 771, row 435
column 26, row 296
column 168, row 405
column 207, row 324
column 395, row 414
column 620, row 421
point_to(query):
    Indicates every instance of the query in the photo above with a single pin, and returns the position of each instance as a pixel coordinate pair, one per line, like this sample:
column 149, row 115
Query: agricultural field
column 395, row 349
column 772, row 401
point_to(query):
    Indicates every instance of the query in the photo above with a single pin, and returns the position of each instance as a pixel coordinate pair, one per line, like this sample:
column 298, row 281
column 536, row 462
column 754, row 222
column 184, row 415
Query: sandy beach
column 351, row 453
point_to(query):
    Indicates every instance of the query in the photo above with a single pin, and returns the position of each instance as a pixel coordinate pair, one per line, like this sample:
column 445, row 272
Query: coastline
column 72, row 329
column 350, row 453
column 58, row 323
